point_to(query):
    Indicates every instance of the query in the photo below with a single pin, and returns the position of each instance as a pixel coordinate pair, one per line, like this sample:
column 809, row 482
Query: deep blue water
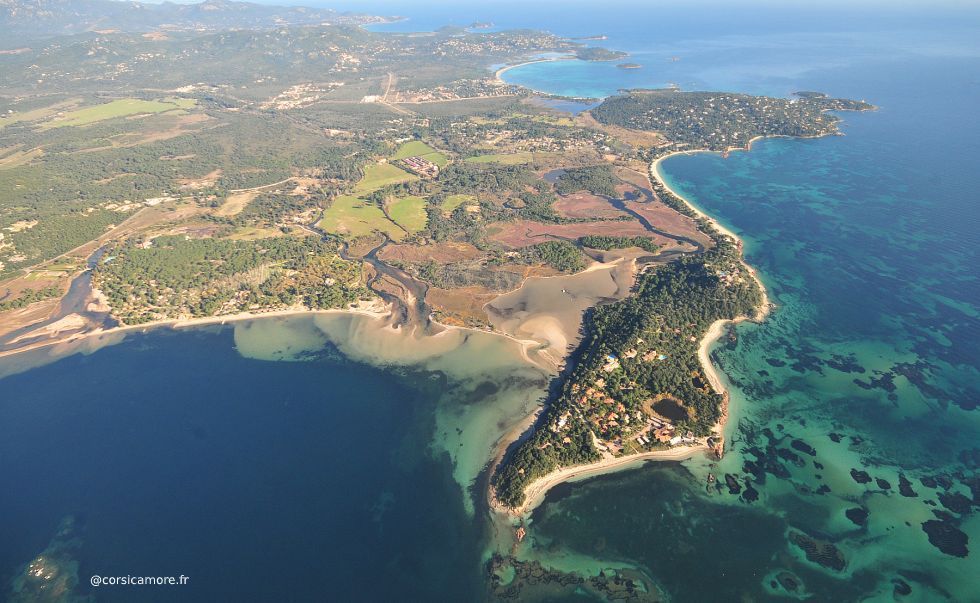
column 261, row 481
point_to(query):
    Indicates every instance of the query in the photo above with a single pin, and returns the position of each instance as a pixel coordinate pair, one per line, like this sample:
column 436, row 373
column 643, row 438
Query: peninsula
column 642, row 386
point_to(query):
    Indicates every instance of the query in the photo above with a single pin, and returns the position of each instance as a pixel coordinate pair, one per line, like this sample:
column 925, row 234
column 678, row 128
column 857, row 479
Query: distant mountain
column 22, row 20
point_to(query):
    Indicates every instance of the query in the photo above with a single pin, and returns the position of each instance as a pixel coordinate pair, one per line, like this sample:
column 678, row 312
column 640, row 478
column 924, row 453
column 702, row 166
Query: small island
column 630, row 66
column 596, row 53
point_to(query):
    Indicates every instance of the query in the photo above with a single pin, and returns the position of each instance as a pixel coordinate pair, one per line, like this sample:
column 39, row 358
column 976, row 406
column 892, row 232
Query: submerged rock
column 902, row 587
column 790, row 456
column 782, row 582
column 937, row 481
column 956, row 502
column 905, row 487
column 857, row 515
column 845, row 364
column 970, row 458
column 973, row 483
column 803, row 447
column 860, row 477
column 946, row 537
column 512, row 579
column 821, row 552
column 789, row 582
column 733, row 486
column 53, row 574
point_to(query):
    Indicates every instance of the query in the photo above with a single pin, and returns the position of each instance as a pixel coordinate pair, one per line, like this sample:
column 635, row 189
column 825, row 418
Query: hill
column 24, row 20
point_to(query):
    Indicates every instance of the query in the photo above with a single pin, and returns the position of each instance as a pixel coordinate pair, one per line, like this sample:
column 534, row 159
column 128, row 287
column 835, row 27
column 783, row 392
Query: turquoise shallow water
column 867, row 374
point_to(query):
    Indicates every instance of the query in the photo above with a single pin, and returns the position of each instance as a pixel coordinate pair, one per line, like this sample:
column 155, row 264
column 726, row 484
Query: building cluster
column 500, row 137
column 496, row 44
column 457, row 90
column 716, row 121
column 420, row 166
column 665, row 432
column 300, row 95
column 621, row 423
column 723, row 121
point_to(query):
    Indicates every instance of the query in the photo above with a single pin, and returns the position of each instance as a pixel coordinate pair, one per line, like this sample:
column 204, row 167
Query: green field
column 414, row 148
column 454, row 201
column 437, row 158
column 353, row 217
column 36, row 114
column 117, row 108
column 182, row 103
column 379, row 175
column 409, row 213
column 504, row 158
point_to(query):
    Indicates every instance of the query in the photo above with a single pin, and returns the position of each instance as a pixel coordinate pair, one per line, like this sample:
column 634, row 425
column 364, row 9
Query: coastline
column 375, row 309
column 717, row 328
column 184, row 323
column 507, row 68
column 765, row 305
column 536, row 490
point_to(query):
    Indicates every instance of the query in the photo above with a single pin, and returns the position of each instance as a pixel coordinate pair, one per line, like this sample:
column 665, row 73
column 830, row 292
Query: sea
column 309, row 459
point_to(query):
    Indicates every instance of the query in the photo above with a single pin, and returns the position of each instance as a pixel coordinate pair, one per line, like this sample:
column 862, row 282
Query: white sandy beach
column 507, row 68
column 537, row 489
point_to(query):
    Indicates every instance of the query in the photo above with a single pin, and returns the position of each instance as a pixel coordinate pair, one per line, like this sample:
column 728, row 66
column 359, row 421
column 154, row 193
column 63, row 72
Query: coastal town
column 714, row 121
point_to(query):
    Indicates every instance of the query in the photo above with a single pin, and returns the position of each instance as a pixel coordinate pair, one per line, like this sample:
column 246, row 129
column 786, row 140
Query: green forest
column 29, row 296
column 174, row 276
column 597, row 179
column 560, row 255
column 607, row 242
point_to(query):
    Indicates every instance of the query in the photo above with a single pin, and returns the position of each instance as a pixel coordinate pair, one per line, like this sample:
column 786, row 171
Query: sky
column 370, row 5
column 709, row 16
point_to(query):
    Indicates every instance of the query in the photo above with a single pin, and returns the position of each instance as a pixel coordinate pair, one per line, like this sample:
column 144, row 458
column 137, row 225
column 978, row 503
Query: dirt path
column 392, row 80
